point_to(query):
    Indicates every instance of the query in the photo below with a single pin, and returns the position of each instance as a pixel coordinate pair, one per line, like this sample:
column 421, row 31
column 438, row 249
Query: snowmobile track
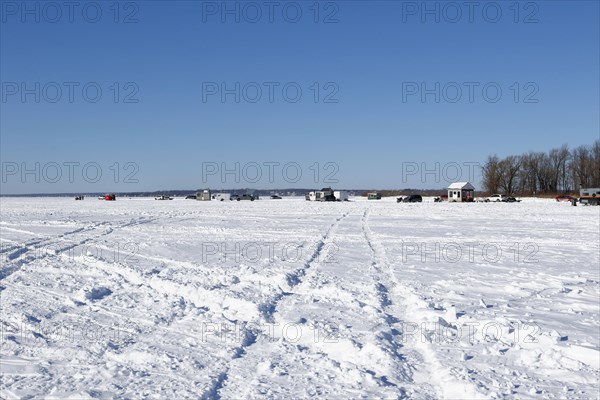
column 270, row 308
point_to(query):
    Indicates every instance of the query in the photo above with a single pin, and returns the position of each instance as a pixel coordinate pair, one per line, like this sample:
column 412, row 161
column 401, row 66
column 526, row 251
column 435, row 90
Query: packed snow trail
column 270, row 309
column 353, row 332
column 62, row 243
column 428, row 368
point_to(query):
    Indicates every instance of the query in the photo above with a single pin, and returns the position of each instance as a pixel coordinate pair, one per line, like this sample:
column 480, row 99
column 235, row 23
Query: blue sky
column 370, row 60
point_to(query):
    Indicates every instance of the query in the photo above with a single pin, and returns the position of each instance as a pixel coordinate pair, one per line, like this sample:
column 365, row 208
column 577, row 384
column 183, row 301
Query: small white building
column 325, row 194
column 461, row 191
column 203, row 195
column 341, row 195
column 221, row 196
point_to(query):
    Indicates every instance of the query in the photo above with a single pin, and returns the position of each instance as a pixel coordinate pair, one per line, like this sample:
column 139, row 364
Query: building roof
column 461, row 185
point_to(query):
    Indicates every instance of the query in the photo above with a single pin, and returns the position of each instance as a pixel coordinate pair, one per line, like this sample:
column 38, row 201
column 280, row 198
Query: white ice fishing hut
column 203, row 195
column 461, row 191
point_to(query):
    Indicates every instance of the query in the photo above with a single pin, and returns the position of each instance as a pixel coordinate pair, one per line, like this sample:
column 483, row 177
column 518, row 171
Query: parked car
column 239, row 197
column 163, row 197
column 565, row 197
column 497, row 197
column 79, row 197
column 413, row 198
column 190, row 197
column 510, row 199
column 275, row 197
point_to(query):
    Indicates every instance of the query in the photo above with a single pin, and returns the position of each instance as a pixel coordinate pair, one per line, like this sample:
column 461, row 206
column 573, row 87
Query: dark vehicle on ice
column 239, row 197
column 413, row 198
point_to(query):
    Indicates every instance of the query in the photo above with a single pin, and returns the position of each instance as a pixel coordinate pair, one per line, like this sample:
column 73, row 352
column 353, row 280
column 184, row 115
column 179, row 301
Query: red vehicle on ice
column 565, row 197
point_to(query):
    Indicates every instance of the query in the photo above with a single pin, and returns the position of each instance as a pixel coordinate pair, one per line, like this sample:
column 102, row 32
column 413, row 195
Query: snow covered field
column 291, row 299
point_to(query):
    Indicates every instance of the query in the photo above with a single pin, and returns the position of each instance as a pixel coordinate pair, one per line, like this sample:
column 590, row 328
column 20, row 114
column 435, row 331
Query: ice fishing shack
column 461, row 192
column 203, row 195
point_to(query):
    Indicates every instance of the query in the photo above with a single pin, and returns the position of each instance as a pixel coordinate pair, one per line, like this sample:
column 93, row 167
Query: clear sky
column 189, row 88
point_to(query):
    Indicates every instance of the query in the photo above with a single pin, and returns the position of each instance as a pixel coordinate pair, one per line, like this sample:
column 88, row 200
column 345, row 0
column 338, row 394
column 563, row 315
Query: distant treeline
column 560, row 170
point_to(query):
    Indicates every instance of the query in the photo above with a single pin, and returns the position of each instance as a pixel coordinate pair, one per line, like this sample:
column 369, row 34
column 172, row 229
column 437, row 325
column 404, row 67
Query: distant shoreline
column 268, row 192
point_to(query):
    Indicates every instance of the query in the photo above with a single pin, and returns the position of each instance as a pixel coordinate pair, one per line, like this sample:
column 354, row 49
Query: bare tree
column 490, row 172
column 544, row 173
column 529, row 173
column 581, row 166
column 508, row 171
column 595, row 164
column 558, row 168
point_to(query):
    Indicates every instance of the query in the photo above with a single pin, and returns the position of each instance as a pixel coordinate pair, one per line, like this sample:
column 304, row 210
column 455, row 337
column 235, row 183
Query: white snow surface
column 293, row 299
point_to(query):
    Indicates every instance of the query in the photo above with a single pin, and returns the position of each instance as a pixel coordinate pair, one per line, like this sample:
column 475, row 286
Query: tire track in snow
column 5, row 272
column 201, row 296
column 17, row 252
column 445, row 384
column 354, row 355
column 270, row 308
column 138, row 325
column 383, row 288
column 101, row 315
column 295, row 278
